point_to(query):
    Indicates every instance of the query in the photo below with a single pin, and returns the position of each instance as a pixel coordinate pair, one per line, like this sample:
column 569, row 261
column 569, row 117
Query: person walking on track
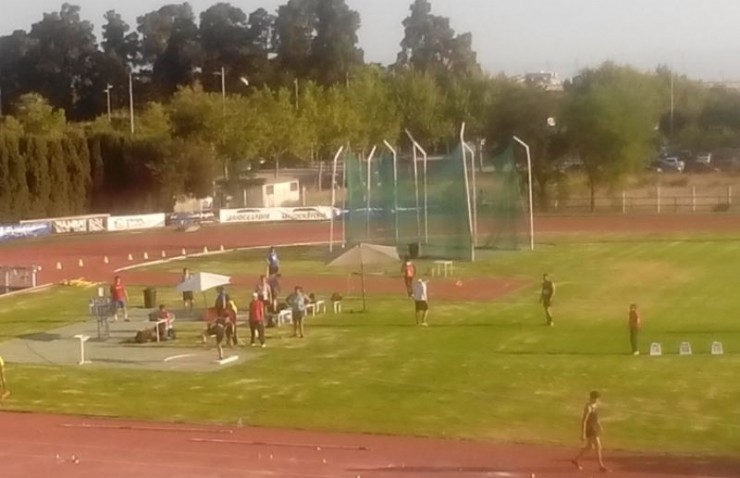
column 546, row 295
column 591, row 432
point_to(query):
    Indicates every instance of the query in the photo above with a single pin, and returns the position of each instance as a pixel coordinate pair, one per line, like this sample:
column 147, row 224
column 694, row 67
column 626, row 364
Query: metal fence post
column 624, row 202
column 658, row 198
column 693, row 198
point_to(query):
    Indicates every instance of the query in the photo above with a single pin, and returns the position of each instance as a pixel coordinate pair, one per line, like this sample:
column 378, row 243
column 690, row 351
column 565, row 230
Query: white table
column 443, row 268
column 337, row 305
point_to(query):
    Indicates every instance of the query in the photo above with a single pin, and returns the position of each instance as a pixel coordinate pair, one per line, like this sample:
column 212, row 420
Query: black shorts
column 187, row 295
column 273, row 270
column 546, row 301
column 422, row 306
column 298, row 315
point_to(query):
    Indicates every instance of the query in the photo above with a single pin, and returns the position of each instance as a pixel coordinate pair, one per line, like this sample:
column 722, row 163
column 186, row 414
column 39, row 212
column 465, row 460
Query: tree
column 317, row 40
column 225, row 40
column 20, row 202
column 59, row 199
column 37, row 117
column 5, row 180
column 534, row 115
column 16, row 68
column 121, row 52
column 371, row 98
column 64, row 58
column 170, row 47
column 421, row 107
column 611, row 113
column 431, row 46
column 34, row 150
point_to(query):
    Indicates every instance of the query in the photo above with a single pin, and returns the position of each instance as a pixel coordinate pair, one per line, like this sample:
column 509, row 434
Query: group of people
column 263, row 306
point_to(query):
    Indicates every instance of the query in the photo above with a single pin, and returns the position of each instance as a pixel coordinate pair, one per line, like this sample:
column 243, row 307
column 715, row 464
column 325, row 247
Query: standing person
column 264, row 292
column 274, row 281
column 4, row 392
column 222, row 302
column 546, row 295
column 421, row 302
column 635, row 323
column 273, row 263
column 257, row 320
column 119, row 296
column 297, row 302
column 187, row 296
column 591, row 432
column 408, row 270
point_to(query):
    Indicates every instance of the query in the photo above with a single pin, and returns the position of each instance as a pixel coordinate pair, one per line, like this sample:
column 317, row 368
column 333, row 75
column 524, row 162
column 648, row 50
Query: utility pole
column 107, row 94
column 131, row 102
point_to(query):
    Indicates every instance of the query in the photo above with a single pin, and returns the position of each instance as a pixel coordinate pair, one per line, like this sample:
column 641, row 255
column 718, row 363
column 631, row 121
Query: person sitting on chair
column 166, row 329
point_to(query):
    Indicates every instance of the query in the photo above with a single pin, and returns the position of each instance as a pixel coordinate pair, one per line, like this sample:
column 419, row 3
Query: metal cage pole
column 333, row 198
column 467, row 193
column 531, row 199
column 369, row 192
column 475, row 191
column 425, row 158
column 395, row 187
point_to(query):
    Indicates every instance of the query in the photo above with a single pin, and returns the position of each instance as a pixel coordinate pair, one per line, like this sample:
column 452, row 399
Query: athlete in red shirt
column 257, row 319
column 119, row 298
column 408, row 270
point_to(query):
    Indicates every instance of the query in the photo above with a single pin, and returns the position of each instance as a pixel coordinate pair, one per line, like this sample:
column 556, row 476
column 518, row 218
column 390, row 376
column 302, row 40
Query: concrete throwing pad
column 62, row 347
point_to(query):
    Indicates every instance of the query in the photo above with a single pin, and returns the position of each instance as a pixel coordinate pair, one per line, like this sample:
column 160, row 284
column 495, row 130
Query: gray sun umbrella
column 364, row 254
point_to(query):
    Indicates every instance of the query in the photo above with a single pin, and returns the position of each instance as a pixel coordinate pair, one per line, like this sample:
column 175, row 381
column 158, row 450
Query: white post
column 333, row 198
column 344, row 200
column 475, row 192
column 658, row 197
column 531, row 198
column 244, row 196
column 416, row 192
column 624, row 202
column 418, row 149
column 303, row 196
column 395, row 186
column 368, row 196
column 467, row 193
column 131, row 101
column 693, row 198
column 729, row 195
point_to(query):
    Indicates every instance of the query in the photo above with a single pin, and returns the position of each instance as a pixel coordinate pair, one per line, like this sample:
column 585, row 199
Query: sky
column 699, row 38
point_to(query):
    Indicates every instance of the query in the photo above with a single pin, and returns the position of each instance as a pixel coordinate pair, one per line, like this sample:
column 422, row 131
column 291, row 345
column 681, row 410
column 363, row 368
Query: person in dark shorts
column 264, row 292
column 222, row 302
column 591, row 432
column 408, row 270
column 297, row 302
column 546, row 295
column 273, row 263
column 221, row 328
column 119, row 298
column 635, row 324
column 421, row 302
column 187, row 296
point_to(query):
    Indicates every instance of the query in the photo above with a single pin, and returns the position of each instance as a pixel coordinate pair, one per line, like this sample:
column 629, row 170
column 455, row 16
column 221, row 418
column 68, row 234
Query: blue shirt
column 272, row 259
column 297, row 302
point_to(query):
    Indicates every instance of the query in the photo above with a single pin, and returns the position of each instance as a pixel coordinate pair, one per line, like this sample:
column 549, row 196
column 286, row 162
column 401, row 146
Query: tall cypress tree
column 59, row 198
column 83, row 154
column 5, row 189
column 21, row 200
column 75, row 177
column 37, row 171
column 97, row 174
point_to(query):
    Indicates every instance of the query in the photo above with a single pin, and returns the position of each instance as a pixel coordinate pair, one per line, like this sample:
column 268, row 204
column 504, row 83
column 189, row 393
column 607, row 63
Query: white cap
column 255, row 295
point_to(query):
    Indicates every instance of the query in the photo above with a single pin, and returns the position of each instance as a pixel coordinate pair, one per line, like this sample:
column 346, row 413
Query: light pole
column 131, row 102
column 531, row 199
column 108, row 87
column 222, row 74
column 295, row 85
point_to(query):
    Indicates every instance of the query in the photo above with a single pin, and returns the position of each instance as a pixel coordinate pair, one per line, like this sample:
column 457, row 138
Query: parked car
column 672, row 164
column 655, row 167
column 697, row 167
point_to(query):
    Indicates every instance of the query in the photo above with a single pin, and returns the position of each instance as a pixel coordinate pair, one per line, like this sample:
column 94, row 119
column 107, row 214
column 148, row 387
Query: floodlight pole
column 395, row 185
column 531, row 200
column 467, row 193
column 467, row 147
column 367, row 196
column 333, row 198
column 425, row 157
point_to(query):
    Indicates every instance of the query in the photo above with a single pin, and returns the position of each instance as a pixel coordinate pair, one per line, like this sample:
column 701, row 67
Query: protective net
column 500, row 206
column 419, row 206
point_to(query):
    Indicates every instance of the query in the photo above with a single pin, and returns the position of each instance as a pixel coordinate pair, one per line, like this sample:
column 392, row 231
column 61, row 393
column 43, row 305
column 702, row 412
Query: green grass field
column 487, row 371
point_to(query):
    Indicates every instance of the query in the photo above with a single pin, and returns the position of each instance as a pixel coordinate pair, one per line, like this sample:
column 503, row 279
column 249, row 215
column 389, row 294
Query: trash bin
column 150, row 298
column 414, row 250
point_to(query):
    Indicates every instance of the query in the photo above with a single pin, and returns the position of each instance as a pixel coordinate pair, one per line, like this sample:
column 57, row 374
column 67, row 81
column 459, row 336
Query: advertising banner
column 20, row 231
column 276, row 214
column 131, row 223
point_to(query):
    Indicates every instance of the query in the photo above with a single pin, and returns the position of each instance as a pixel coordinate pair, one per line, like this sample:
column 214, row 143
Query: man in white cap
column 421, row 302
column 257, row 320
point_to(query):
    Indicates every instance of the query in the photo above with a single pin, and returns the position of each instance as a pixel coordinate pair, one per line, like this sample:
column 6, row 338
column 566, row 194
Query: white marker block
column 164, row 254
column 717, row 348
column 146, row 256
column 59, row 266
column 205, row 250
column 130, row 257
column 81, row 263
column 184, row 252
column 106, row 260
column 228, row 360
column 656, row 350
column 684, row 349
column 222, row 248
